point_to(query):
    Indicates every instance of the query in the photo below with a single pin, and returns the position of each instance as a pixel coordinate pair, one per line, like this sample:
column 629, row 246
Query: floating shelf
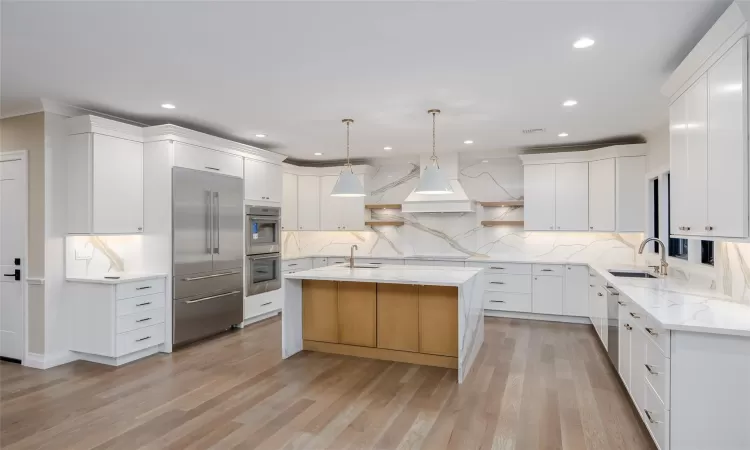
column 505, row 203
column 498, row 223
column 384, row 223
column 383, row 206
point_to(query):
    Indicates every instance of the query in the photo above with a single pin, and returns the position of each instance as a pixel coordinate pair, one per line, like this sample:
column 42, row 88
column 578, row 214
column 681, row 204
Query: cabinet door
column 330, row 207
column 727, row 144
column 638, row 343
column 398, row 317
column 576, row 300
column 572, row 196
column 274, row 177
column 631, row 193
column 602, row 195
column 547, row 295
column 289, row 203
column 697, row 140
column 357, row 314
column 678, row 165
column 117, row 185
column 308, row 202
column 320, row 311
column 207, row 160
column 352, row 211
column 262, row 181
column 438, row 320
column 539, row 197
column 625, row 336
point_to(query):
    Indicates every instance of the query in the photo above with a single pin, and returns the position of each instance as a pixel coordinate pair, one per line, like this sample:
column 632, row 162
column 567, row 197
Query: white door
column 352, row 215
column 117, row 188
column 273, row 176
column 678, row 170
column 330, row 207
column 262, row 181
column 539, row 197
column 602, row 195
column 697, row 140
column 289, row 202
column 576, row 301
column 13, row 210
column 572, row 196
column 308, row 203
column 547, row 295
column 727, row 143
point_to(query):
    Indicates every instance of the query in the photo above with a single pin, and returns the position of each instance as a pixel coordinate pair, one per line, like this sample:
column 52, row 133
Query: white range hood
column 456, row 202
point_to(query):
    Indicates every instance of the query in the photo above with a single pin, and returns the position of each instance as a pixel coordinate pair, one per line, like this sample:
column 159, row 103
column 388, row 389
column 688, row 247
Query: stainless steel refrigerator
column 207, row 255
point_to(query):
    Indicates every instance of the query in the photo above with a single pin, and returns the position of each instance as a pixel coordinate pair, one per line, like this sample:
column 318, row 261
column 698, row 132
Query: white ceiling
column 294, row 70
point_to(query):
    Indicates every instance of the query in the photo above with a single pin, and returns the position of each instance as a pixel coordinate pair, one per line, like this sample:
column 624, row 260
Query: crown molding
column 614, row 151
column 108, row 127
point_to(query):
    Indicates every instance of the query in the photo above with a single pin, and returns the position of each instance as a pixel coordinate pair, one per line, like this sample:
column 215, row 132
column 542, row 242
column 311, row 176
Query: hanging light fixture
column 348, row 184
column 432, row 181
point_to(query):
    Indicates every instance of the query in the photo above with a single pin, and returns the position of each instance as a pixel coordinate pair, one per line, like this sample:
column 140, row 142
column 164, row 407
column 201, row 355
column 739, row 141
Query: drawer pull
column 592, row 275
column 497, row 301
column 265, row 304
column 143, row 339
column 497, row 282
column 290, row 265
column 651, row 370
column 651, row 331
column 600, row 294
column 621, row 303
column 650, row 417
column 635, row 316
column 209, row 276
column 628, row 327
column 143, row 320
column 142, row 288
column 143, row 304
column 591, row 285
column 212, row 168
column 497, row 268
column 211, row 297
column 546, row 270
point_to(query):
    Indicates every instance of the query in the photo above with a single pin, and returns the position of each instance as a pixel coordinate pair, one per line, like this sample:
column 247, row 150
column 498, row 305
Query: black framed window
column 677, row 248
column 656, row 214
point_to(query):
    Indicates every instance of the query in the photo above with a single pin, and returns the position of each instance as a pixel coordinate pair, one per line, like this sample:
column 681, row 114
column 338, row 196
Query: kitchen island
column 415, row 314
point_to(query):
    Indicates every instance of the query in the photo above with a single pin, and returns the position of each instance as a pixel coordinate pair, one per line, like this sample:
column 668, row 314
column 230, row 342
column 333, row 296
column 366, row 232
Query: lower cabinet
column 357, row 314
column 438, row 320
column 320, row 311
column 398, row 317
column 576, row 300
column 547, row 295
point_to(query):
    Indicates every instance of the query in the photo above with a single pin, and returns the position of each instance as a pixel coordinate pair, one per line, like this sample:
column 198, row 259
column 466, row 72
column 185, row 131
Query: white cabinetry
column 697, row 156
column 308, row 202
column 678, row 165
column 572, row 196
column 340, row 213
column 263, row 181
column 289, row 202
column 208, row 160
column 630, row 194
column 547, row 294
column 576, row 300
column 602, row 195
column 105, row 184
column 539, row 197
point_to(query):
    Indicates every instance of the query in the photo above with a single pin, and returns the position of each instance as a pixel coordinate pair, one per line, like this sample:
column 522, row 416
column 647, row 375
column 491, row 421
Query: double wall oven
column 263, row 247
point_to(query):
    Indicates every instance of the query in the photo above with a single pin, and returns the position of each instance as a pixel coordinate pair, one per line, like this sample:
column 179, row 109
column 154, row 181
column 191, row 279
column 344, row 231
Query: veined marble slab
column 470, row 283
column 124, row 278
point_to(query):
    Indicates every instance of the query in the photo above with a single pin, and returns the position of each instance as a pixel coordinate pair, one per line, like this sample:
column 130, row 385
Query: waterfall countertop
column 397, row 274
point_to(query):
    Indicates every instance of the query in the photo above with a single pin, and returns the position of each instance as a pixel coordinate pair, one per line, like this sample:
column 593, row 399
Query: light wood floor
column 535, row 385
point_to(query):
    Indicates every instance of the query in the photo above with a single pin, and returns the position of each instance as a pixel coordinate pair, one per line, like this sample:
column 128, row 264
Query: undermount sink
column 620, row 273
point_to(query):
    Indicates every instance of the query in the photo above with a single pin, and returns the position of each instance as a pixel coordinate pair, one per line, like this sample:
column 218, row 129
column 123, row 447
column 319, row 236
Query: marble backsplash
column 100, row 255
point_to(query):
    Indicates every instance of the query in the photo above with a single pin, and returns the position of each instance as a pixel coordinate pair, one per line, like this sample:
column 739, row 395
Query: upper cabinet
column 539, row 197
column 308, row 203
column 208, row 160
column 602, row 195
column 572, row 196
column 289, row 202
column 105, row 178
column 263, row 181
column 708, row 151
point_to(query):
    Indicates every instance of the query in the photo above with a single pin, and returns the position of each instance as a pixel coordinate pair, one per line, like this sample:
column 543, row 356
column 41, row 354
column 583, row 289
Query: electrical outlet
column 85, row 253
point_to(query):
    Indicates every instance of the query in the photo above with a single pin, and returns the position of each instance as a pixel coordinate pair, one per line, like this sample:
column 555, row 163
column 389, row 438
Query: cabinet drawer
column 207, row 160
column 657, row 371
column 504, row 301
column 138, row 304
column 497, row 267
column 381, row 261
column 519, row 284
column 336, row 260
column 434, row 262
column 140, row 320
column 135, row 340
column 296, row 264
column 549, row 269
column 656, row 417
column 659, row 335
column 258, row 306
column 139, row 288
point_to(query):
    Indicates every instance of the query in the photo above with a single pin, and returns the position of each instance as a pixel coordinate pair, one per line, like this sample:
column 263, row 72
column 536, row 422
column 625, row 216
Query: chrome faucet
column 351, row 256
column 662, row 267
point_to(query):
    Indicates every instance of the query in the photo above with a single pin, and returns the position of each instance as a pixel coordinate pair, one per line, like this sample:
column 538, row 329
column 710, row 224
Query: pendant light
column 433, row 181
column 348, row 184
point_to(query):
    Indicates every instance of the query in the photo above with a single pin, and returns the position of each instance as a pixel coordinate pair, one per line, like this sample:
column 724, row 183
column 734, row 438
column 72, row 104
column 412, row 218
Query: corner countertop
column 124, row 278
column 397, row 274
column 680, row 307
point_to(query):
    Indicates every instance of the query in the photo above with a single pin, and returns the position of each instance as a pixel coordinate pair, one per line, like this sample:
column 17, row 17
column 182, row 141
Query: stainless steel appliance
column 613, row 325
column 207, row 256
column 263, row 273
column 262, row 229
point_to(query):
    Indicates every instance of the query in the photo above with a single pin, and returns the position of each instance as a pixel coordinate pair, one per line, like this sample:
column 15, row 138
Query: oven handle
column 253, row 258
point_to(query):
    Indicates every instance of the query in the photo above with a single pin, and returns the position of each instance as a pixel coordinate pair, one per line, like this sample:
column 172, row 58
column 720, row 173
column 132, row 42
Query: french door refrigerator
column 207, row 255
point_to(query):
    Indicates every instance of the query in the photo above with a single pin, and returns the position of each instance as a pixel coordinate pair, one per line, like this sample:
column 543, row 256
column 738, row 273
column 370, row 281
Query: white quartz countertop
column 508, row 259
column 678, row 306
column 397, row 274
column 124, row 278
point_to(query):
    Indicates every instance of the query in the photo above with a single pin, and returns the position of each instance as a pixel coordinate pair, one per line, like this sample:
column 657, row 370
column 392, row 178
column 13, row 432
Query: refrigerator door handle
column 217, row 226
column 209, row 223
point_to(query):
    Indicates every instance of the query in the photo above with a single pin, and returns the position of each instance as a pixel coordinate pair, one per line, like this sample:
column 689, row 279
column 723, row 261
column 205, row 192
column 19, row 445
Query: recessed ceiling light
column 260, row 135
column 583, row 42
column 388, row 149
column 318, row 154
column 570, row 102
column 563, row 134
column 485, row 161
column 468, row 142
column 168, row 106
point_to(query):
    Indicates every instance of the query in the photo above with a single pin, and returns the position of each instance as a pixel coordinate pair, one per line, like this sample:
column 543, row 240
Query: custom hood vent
column 456, row 202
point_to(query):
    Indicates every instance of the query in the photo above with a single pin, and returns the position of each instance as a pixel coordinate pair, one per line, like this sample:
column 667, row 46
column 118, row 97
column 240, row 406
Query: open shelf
column 499, row 223
column 383, row 206
column 505, row 203
column 384, row 223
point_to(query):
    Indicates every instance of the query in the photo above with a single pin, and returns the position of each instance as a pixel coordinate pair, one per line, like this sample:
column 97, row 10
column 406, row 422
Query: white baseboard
column 118, row 361
column 265, row 316
column 532, row 316
column 34, row 360
column 41, row 361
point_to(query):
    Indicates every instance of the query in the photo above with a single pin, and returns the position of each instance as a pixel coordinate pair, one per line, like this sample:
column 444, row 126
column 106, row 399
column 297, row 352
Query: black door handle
column 16, row 275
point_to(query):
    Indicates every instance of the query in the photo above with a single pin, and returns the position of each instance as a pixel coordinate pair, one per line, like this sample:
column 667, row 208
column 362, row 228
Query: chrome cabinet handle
column 591, row 285
column 265, row 304
column 497, row 282
column 209, row 276
column 143, row 320
column 651, row 370
column 290, row 265
column 143, row 339
column 635, row 316
column 600, row 294
column 497, row 301
column 709, row 228
column 212, row 297
column 497, row 268
column 142, row 288
column 620, row 303
column 217, row 227
column 546, row 270
column 651, row 331
column 212, row 168
column 650, row 417
column 628, row 327
column 143, row 304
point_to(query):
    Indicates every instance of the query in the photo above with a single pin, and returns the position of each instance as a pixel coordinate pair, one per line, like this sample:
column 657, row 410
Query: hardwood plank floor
column 535, row 385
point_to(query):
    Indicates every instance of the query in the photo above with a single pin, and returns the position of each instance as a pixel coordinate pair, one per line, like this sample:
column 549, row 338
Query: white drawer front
column 207, row 160
column 549, row 269
column 135, row 340
column 138, row 304
column 336, row 260
column 496, row 267
column 519, row 284
column 140, row 320
column 255, row 307
column 296, row 264
column 381, row 261
column 657, row 371
column 656, row 417
column 434, row 262
column 659, row 335
column 504, row 301
column 138, row 288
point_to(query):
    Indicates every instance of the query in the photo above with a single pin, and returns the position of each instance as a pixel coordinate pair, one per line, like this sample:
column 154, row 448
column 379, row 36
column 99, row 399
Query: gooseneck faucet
column 351, row 256
column 662, row 267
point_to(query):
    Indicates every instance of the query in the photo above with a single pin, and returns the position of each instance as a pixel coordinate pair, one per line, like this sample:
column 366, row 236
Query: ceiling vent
column 533, row 130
